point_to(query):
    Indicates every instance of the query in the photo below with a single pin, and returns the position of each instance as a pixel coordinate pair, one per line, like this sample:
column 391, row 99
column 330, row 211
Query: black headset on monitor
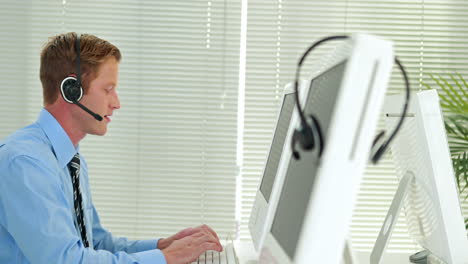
column 71, row 88
column 310, row 133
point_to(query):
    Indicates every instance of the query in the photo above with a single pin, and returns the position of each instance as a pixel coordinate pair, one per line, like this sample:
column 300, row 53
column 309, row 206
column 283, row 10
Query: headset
column 71, row 88
column 310, row 130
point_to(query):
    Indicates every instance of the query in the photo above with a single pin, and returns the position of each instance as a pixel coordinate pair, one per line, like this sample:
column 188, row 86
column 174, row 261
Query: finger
column 209, row 229
column 209, row 246
column 186, row 232
column 208, row 238
column 204, row 231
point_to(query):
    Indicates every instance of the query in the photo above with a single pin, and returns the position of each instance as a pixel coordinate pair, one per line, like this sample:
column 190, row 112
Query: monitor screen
column 300, row 175
column 276, row 149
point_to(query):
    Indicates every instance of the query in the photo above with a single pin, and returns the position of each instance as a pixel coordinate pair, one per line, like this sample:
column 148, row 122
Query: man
column 46, row 210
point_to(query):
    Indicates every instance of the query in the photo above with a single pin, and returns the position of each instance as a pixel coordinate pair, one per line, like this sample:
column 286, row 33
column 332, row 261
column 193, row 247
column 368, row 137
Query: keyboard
column 227, row 256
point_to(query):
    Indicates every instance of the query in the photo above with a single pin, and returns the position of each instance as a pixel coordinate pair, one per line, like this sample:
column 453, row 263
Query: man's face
column 101, row 98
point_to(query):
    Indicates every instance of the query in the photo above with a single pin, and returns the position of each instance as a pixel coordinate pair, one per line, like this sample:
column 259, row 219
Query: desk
column 245, row 252
column 363, row 257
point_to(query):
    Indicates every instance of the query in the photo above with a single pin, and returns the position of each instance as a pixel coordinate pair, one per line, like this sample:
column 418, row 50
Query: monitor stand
column 391, row 218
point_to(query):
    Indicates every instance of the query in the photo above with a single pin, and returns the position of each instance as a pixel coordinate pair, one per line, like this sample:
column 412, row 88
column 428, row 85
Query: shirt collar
column 61, row 144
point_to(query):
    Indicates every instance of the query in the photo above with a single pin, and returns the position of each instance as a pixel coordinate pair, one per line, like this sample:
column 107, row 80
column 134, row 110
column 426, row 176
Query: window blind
column 430, row 36
column 169, row 159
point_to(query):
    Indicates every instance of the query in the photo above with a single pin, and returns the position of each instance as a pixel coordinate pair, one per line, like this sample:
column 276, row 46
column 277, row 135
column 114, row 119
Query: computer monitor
column 427, row 189
column 313, row 211
column 260, row 221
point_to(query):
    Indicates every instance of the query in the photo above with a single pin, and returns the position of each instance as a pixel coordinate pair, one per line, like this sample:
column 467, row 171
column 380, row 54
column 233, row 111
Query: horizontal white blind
column 14, row 45
column 430, row 37
column 169, row 159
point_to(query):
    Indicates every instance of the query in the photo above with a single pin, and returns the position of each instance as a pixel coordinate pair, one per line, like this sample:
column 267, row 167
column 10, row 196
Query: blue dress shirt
column 37, row 219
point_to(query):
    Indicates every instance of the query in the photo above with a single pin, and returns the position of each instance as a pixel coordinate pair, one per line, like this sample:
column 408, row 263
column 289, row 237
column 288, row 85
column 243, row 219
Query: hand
column 190, row 243
column 165, row 242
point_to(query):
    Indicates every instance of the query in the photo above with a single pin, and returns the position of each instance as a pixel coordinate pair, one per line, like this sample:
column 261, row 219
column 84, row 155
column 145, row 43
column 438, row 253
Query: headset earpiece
column 378, row 138
column 309, row 136
column 379, row 153
column 71, row 89
column 378, row 149
column 317, row 131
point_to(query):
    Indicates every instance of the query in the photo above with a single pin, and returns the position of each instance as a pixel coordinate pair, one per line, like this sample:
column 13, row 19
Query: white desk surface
column 247, row 255
column 245, row 252
column 388, row 258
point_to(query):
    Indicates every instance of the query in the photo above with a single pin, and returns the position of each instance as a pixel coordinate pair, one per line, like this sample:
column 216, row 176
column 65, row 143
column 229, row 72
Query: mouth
column 107, row 117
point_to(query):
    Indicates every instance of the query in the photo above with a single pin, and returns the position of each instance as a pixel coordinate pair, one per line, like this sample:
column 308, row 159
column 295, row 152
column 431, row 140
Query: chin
column 102, row 133
column 99, row 132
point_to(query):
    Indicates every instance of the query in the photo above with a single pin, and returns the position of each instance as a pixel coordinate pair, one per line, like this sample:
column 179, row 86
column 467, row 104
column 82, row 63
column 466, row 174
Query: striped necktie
column 74, row 167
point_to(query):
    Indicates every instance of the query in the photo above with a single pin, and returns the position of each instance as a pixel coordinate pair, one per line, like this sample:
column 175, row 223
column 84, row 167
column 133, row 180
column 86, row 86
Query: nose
column 115, row 103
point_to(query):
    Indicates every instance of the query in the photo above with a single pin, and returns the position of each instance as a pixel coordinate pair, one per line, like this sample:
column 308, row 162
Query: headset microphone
column 96, row 116
column 71, row 89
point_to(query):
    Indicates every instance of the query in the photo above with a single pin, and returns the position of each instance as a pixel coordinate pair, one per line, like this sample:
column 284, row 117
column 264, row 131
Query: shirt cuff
column 144, row 245
column 154, row 256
